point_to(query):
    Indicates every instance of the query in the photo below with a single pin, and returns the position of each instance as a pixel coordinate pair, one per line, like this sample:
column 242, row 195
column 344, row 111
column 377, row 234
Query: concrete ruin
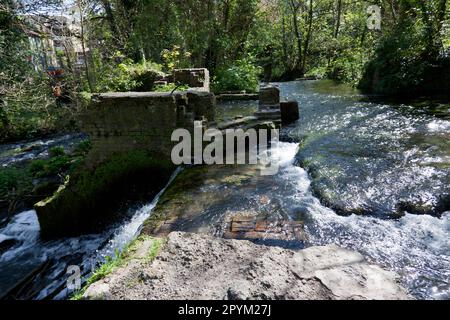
column 131, row 140
column 121, row 122
column 271, row 107
column 197, row 79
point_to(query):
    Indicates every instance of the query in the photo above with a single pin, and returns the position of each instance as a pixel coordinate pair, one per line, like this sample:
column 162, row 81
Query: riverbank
column 32, row 171
column 193, row 266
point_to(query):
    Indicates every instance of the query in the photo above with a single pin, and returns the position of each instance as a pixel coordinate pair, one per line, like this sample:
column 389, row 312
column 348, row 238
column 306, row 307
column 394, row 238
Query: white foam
column 439, row 126
column 415, row 246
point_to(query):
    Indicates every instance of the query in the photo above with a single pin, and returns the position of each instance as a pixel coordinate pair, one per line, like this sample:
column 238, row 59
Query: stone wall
column 197, row 79
column 131, row 154
column 121, row 122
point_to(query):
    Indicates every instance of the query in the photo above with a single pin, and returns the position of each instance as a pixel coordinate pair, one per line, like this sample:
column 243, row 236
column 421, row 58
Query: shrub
column 83, row 147
column 57, row 151
column 129, row 76
column 14, row 183
column 170, row 87
column 174, row 59
column 243, row 75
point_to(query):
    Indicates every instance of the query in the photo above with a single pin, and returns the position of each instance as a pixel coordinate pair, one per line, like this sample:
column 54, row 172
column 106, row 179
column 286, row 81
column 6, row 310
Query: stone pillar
column 289, row 112
column 269, row 96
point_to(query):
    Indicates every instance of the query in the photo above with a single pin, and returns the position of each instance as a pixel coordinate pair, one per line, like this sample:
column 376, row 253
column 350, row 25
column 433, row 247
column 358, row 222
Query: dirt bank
column 193, row 266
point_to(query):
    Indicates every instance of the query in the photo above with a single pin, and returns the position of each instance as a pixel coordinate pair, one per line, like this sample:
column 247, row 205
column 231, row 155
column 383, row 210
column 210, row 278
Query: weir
column 131, row 147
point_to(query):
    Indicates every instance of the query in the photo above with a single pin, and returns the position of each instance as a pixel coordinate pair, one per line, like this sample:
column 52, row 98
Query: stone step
column 268, row 114
column 270, row 107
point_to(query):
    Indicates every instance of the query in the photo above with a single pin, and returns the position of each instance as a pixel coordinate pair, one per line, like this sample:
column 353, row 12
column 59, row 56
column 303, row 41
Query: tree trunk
column 338, row 19
column 295, row 9
column 83, row 47
column 308, row 35
column 284, row 37
column 110, row 16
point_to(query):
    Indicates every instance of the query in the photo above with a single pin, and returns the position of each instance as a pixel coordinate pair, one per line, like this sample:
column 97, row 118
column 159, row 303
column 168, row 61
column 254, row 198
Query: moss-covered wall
column 130, row 155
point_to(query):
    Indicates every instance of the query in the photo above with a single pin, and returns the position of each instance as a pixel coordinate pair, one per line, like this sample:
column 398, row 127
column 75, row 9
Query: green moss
column 93, row 195
column 170, row 87
column 236, row 180
column 57, row 151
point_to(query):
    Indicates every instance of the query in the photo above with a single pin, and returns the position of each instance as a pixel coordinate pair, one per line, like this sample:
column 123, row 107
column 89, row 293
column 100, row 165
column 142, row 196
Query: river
column 364, row 174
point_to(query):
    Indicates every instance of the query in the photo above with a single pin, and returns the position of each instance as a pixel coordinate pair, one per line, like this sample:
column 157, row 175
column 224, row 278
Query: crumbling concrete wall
column 197, row 79
column 270, row 106
column 122, row 122
column 131, row 150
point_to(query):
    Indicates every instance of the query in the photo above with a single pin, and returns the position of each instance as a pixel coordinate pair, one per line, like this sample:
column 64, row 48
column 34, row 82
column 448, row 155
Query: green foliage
column 127, row 76
column 410, row 58
column 17, row 183
column 174, row 59
column 58, row 163
column 170, row 87
column 120, row 259
column 57, row 151
column 106, row 268
column 243, row 75
column 14, row 183
column 29, row 110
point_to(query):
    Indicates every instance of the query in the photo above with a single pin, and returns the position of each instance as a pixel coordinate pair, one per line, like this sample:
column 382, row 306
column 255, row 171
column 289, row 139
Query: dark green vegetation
column 22, row 186
column 132, row 176
column 412, row 57
column 129, row 44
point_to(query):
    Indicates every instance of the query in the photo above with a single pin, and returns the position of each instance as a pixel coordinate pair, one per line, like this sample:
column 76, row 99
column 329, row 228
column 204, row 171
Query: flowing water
column 51, row 259
column 370, row 157
column 17, row 153
column 375, row 161
column 354, row 172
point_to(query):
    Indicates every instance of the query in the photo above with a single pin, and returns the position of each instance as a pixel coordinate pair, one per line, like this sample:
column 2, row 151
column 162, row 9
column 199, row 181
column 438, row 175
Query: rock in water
column 194, row 266
column 289, row 112
column 6, row 243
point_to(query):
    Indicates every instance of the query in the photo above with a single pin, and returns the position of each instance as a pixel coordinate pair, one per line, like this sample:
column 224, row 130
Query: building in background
column 55, row 42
